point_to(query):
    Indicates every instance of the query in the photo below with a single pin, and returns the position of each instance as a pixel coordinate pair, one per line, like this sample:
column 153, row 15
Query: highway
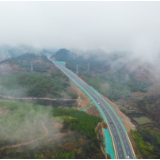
column 121, row 142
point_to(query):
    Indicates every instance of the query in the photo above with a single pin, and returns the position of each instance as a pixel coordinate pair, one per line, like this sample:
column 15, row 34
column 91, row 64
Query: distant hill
column 7, row 51
column 17, row 79
column 62, row 55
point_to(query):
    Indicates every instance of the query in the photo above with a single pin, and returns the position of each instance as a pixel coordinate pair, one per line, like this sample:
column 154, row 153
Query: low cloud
column 109, row 26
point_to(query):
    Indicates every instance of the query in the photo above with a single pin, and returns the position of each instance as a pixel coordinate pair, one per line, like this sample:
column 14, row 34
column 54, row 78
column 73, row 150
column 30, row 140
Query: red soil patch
column 59, row 135
column 26, row 130
column 104, row 125
column 58, row 125
column 53, row 68
column 6, row 68
column 139, row 93
column 120, row 114
column 154, row 89
column 81, row 139
column 127, row 127
column 38, row 60
column 84, row 103
column 68, row 146
column 132, row 104
column 50, row 139
column 3, row 110
column 98, row 128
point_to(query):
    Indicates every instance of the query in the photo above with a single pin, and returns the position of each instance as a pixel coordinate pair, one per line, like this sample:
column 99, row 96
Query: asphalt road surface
column 121, row 142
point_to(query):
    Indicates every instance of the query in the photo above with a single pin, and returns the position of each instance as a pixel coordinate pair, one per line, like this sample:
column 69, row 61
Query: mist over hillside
column 131, row 83
column 113, row 46
column 101, row 60
column 8, row 51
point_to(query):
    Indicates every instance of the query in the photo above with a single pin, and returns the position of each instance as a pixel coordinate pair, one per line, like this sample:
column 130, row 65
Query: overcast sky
column 110, row 26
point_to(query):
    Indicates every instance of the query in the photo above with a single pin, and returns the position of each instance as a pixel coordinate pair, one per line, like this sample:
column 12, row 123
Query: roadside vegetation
column 83, row 123
column 148, row 143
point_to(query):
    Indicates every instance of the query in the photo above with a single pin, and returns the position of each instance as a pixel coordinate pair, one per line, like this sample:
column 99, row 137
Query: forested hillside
column 36, row 131
column 40, row 63
column 148, row 143
column 34, row 84
column 8, row 51
column 114, row 81
column 83, row 123
column 30, row 75
column 114, row 85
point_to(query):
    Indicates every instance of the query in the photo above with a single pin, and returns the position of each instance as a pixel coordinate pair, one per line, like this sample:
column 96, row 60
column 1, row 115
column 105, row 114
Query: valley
column 133, row 96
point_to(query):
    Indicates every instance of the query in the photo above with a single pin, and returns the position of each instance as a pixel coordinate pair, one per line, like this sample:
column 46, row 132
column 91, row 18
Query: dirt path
column 27, row 143
column 36, row 98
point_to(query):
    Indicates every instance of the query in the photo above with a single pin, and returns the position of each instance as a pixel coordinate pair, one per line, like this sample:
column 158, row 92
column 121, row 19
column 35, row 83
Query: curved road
column 122, row 144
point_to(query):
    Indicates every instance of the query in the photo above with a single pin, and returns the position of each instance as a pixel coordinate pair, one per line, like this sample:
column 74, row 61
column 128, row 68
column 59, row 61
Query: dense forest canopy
column 86, row 123
column 63, row 55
